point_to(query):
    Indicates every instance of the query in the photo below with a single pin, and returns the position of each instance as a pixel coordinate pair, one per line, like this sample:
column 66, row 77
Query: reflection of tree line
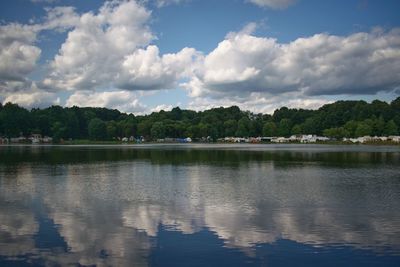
column 66, row 155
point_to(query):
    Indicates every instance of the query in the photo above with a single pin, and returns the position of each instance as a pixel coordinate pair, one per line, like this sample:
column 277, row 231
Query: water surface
column 200, row 205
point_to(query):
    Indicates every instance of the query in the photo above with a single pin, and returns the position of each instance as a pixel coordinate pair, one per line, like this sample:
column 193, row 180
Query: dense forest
column 337, row 120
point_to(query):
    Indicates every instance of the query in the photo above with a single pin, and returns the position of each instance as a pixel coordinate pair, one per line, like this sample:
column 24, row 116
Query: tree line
column 336, row 120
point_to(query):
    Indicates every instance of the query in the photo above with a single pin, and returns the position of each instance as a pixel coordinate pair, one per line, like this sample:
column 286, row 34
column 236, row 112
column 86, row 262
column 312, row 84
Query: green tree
column 284, row 127
column 310, row 126
column 128, row 128
column 395, row 105
column 203, row 129
column 97, row 129
column 230, row 127
column 158, row 130
column 213, row 133
column 243, row 127
column 297, row 129
column 269, row 129
column 338, row 132
column 176, row 113
column 111, row 129
column 363, row 129
column 390, row 128
column 144, row 128
column 59, row 131
column 351, row 127
column 378, row 126
column 342, row 118
column 193, row 131
column 72, row 125
column 15, row 120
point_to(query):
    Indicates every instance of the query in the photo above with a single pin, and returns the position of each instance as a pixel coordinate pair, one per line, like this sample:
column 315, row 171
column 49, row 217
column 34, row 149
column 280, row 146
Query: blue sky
column 150, row 55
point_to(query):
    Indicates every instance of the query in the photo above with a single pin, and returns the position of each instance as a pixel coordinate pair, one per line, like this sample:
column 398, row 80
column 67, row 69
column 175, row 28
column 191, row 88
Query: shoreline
column 114, row 143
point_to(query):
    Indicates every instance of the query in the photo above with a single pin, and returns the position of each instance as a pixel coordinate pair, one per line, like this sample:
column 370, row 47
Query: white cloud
column 18, row 55
column 259, row 102
column 33, row 99
column 145, row 69
column 162, row 3
column 111, row 49
column 59, row 18
column 164, row 107
column 323, row 64
column 124, row 101
column 274, row 4
column 104, row 50
column 94, row 50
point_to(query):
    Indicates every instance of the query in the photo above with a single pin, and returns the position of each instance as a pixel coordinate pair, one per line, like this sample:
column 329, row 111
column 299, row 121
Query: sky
column 147, row 55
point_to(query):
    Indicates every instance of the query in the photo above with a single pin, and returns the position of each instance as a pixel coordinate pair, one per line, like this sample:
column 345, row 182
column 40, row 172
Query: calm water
column 200, row 205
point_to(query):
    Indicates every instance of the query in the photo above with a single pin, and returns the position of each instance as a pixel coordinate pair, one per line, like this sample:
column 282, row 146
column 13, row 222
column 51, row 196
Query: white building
column 394, row 138
column 280, row 140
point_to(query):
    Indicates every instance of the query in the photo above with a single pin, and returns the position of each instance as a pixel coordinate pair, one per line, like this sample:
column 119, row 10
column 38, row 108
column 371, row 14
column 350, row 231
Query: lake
column 200, row 205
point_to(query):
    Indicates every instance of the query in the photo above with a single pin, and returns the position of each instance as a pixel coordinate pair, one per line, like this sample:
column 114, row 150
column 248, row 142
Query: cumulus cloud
column 18, row 50
column 274, row 4
column 259, row 102
column 145, row 69
column 59, row 18
column 323, row 64
column 94, row 50
column 27, row 94
column 33, row 99
column 122, row 100
column 107, row 49
column 164, row 107
column 18, row 55
column 111, row 49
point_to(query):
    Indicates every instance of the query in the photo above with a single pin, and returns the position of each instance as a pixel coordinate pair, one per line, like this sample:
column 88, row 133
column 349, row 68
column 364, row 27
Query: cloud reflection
column 111, row 213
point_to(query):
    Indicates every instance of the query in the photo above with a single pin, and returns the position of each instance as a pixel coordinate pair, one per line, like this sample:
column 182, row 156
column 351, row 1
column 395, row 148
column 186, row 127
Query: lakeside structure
column 308, row 139
column 33, row 139
column 304, row 139
column 358, row 121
